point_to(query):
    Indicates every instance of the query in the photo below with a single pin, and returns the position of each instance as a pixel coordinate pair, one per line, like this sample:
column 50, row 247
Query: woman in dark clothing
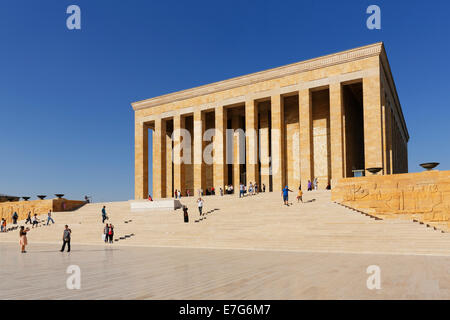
column 111, row 233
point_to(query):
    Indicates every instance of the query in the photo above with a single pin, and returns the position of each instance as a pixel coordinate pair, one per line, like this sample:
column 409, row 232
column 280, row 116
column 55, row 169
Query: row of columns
column 373, row 142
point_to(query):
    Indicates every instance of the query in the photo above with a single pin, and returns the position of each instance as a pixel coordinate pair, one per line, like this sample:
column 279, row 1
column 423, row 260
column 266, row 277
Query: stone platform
column 160, row 205
column 424, row 196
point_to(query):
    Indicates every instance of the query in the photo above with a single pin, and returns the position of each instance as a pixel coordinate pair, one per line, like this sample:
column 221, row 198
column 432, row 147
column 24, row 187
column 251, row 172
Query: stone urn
column 429, row 165
column 26, row 198
column 59, row 195
column 42, row 197
column 374, row 170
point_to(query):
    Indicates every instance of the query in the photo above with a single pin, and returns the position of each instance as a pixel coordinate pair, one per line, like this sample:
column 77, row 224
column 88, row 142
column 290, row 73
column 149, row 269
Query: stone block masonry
column 322, row 118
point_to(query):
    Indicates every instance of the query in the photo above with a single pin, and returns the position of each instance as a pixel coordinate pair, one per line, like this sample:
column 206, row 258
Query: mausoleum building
column 327, row 118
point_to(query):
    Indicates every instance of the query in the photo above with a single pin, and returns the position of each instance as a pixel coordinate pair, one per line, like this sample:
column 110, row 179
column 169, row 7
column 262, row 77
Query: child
column 300, row 195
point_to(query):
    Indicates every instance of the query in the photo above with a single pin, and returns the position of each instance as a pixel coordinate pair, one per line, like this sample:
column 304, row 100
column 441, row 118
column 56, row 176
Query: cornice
column 390, row 79
column 299, row 67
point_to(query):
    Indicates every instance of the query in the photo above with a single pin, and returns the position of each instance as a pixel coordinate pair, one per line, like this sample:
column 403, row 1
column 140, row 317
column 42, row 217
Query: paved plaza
column 183, row 273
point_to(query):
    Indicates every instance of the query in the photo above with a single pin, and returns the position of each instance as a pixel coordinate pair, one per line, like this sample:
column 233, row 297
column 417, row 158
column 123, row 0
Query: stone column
column 264, row 147
column 306, row 136
column 384, row 132
column 251, row 127
column 219, row 149
column 389, row 138
column 336, row 133
column 140, row 161
column 159, row 168
column 373, row 135
column 169, row 164
column 178, row 166
column 238, row 139
column 277, row 131
column 199, row 126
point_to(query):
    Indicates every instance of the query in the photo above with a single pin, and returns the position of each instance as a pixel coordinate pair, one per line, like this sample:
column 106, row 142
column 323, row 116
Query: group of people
column 285, row 193
column 252, row 189
column 23, row 240
column 209, row 192
column 315, row 184
column 200, row 210
column 34, row 221
column 108, row 233
column 108, row 230
column 229, row 189
column 286, row 190
column 177, row 194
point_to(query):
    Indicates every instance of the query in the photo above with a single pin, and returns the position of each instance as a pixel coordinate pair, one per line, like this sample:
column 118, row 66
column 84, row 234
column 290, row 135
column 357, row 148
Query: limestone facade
column 321, row 118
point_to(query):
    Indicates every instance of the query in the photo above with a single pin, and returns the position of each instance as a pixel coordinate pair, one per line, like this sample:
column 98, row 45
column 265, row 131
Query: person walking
column 3, row 225
column 179, row 194
column 105, row 233
column 241, row 190
column 309, row 185
column 35, row 221
column 285, row 192
column 15, row 216
column 67, row 233
column 28, row 218
column 200, row 206
column 104, row 216
column 315, row 183
column 111, row 233
column 263, row 188
column 175, row 193
column 221, row 191
column 49, row 217
column 300, row 195
column 23, row 238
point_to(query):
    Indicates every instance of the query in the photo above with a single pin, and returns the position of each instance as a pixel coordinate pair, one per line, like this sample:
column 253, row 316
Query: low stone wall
column 37, row 206
column 426, row 194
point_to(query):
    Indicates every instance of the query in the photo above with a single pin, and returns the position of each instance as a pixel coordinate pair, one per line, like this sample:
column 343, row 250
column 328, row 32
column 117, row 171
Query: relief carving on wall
column 388, row 195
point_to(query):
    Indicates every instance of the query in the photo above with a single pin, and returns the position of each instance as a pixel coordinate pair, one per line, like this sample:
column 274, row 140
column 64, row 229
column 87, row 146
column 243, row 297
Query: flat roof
column 297, row 67
column 375, row 49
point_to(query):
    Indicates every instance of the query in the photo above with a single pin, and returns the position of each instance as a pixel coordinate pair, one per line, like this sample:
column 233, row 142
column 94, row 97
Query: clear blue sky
column 66, row 123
